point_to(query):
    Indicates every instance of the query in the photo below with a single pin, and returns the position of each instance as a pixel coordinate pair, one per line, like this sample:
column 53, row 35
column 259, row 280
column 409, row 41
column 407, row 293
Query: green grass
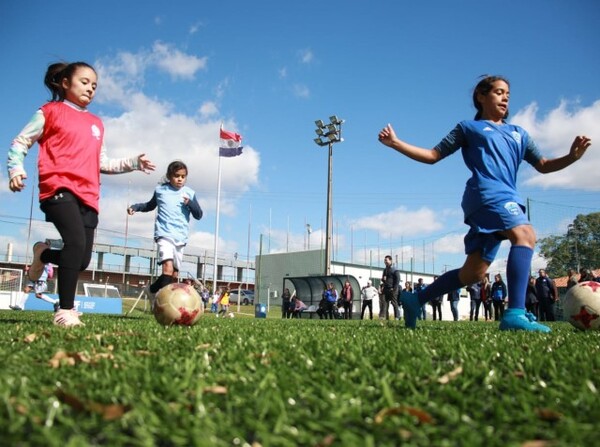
column 272, row 382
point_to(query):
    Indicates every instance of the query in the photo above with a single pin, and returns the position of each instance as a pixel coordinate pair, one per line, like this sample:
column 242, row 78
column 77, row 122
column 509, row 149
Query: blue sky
column 171, row 72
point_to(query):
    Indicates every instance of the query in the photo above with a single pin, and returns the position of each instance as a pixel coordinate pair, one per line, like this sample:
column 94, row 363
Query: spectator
column 390, row 282
column 224, row 303
column 475, row 294
column 286, row 303
column 422, row 315
column 499, row 295
column 454, row 298
column 299, row 306
column 531, row 299
column 214, row 304
column 571, row 278
column 547, row 295
column 368, row 293
column 586, row 275
column 486, row 298
column 347, row 298
column 436, row 305
column 330, row 295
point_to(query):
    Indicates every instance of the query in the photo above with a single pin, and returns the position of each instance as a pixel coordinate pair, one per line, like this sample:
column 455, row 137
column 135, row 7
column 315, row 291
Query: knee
column 522, row 235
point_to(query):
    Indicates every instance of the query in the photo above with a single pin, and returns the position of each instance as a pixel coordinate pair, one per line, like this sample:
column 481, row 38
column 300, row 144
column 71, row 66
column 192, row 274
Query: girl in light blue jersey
column 492, row 150
column 175, row 202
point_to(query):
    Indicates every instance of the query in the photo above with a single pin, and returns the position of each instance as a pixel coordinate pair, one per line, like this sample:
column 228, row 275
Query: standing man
column 390, row 283
column 368, row 293
column 475, row 293
column 419, row 287
column 454, row 297
column 547, row 294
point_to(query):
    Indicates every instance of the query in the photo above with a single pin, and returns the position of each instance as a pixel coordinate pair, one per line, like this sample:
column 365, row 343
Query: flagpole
column 215, row 267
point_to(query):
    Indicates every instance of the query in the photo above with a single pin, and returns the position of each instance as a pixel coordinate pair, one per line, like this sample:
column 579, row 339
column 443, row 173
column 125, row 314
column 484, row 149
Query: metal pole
column 329, row 213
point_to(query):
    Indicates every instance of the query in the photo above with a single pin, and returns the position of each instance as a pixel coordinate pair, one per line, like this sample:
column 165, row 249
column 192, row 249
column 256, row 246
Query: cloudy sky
column 171, row 73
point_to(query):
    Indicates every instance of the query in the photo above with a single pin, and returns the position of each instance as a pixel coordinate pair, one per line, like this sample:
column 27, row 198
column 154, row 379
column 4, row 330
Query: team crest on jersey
column 517, row 136
column 95, row 132
column 512, row 208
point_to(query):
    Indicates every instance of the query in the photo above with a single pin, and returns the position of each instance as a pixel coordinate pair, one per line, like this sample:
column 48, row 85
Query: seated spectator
column 299, row 306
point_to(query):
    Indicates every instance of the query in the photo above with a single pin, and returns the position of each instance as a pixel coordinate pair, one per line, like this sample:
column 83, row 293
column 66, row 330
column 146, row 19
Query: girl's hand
column 579, row 146
column 130, row 211
column 16, row 183
column 387, row 135
column 145, row 164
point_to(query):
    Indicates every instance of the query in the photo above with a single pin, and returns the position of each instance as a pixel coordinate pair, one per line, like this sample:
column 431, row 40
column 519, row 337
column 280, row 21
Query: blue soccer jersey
column 173, row 216
column 493, row 154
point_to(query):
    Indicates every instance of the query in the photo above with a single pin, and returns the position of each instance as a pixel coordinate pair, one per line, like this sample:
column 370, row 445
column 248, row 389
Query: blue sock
column 517, row 275
column 446, row 283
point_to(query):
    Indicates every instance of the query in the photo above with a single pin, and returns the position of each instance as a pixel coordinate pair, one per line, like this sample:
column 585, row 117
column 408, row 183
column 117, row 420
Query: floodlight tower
column 328, row 135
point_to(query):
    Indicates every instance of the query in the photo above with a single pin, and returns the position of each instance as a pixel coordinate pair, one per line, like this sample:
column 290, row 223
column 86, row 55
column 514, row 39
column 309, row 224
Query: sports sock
column 518, row 267
column 161, row 281
column 447, row 282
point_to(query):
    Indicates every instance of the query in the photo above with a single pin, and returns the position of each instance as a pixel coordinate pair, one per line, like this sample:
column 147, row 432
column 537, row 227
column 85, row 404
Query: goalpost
column 11, row 285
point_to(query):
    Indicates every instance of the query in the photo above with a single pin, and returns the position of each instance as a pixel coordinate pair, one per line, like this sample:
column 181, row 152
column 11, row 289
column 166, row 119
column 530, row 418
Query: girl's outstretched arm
column 578, row 148
column 388, row 137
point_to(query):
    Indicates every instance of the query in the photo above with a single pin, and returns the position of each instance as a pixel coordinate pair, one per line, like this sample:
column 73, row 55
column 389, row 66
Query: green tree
column 578, row 248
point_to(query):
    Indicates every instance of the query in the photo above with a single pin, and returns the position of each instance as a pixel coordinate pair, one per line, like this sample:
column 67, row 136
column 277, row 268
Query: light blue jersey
column 173, row 216
column 493, row 154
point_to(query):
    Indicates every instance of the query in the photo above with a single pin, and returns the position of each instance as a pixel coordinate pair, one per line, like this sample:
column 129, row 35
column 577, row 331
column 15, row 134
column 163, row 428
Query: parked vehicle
column 246, row 298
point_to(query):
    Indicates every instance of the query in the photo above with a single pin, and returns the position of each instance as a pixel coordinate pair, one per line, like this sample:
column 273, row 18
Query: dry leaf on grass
column 546, row 414
column 451, row 375
column 422, row 416
column 30, row 338
column 72, row 358
column 109, row 412
column 216, row 389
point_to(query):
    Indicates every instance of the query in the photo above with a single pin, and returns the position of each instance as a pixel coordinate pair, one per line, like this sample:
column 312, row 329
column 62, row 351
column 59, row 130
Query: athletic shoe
column 67, row 318
column 37, row 266
column 519, row 320
column 15, row 307
column 411, row 307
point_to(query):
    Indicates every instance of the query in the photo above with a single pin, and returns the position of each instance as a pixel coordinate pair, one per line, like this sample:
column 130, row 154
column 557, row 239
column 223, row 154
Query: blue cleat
column 519, row 320
column 411, row 307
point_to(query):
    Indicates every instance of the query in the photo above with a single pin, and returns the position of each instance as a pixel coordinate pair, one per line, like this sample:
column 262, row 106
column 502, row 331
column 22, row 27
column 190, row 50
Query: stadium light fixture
column 329, row 138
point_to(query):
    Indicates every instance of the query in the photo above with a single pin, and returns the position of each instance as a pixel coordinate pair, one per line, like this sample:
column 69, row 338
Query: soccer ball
column 582, row 306
column 178, row 303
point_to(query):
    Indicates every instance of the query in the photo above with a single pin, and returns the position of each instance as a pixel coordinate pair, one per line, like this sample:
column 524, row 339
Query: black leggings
column 76, row 224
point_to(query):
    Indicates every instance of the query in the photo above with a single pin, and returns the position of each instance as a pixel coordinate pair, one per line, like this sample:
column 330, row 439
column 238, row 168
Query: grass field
column 270, row 382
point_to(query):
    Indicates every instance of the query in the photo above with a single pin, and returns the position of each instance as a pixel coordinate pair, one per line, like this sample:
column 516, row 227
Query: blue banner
column 84, row 304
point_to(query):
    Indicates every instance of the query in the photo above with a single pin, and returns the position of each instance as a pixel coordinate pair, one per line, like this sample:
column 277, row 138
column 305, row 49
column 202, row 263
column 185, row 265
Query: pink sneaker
column 67, row 318
column 37, row 266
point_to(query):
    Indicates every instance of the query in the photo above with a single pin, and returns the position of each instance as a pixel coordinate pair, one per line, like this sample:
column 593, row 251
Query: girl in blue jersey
column 175, row 202
column 492, row 150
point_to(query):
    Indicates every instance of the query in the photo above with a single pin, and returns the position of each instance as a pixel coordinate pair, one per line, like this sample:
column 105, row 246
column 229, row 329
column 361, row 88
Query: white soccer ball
column 178, row 303
column 582, row 306
column 231, row 315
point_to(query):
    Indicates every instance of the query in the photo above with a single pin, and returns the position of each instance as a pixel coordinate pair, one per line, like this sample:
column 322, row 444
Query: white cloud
column 306, row 56
column 208, row 109
column 301, row 91
column 401, row 222
column 282, row 72
column 554, row 134
column 175, row 62
column 153, row 126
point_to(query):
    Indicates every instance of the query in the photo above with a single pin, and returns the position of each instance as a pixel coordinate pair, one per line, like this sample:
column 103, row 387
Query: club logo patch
column 95, row 132
column 512, row 208
column 517, row 136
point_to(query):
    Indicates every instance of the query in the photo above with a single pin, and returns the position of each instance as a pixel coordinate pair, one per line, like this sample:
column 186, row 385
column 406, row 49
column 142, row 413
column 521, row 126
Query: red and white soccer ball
column 582, row 306
column 178, row 303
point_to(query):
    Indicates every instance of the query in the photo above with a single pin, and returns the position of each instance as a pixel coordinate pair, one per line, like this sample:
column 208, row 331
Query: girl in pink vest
column 71, row 157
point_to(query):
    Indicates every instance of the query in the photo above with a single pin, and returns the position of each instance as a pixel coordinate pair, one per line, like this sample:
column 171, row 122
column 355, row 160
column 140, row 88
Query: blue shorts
column 486, row 223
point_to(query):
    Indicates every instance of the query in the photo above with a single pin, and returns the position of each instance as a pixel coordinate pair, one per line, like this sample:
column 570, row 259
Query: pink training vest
column 69, row 155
